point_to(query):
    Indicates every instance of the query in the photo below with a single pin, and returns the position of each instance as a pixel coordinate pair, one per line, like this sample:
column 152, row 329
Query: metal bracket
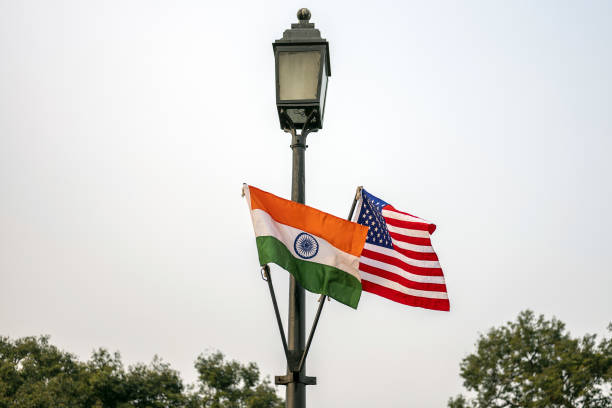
column 289, row 127
column 295, row 374
column 312, row 332
column 295, row 358
column 295, row 377
column 265, row 275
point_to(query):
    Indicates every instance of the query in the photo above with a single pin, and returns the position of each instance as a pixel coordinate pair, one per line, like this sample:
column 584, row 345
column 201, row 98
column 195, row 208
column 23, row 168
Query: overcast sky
column 128, row 127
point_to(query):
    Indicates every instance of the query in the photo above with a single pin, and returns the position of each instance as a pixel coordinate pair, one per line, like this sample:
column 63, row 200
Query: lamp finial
column 303, row 15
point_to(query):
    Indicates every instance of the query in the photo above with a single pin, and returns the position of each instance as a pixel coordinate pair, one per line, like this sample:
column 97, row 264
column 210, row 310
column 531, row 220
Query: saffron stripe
column 342, row 234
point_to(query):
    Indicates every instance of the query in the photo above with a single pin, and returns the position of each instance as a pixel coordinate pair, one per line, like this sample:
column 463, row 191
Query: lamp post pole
column 302, row 69
column 296, row 391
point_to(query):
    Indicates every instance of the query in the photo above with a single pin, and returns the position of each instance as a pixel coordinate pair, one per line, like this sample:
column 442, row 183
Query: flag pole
column 355, row 199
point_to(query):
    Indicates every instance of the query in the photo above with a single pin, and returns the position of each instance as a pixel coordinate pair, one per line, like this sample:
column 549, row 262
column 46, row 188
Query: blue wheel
column 305, row 245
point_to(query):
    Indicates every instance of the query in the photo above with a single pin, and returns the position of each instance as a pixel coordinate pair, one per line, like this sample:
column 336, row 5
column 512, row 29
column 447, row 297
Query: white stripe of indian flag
column 327, row 254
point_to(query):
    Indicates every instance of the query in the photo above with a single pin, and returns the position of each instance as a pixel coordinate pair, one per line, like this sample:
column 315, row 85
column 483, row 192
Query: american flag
column 398, row 261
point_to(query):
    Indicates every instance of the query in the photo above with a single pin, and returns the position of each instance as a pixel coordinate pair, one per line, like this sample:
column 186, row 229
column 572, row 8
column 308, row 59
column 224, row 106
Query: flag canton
column 371, row 216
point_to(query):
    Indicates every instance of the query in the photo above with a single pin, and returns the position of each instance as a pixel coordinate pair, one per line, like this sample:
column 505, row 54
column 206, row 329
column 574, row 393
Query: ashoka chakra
column 305, row 245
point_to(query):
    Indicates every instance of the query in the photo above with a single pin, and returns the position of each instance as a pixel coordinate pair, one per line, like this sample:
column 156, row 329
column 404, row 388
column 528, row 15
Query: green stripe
column 315, row 277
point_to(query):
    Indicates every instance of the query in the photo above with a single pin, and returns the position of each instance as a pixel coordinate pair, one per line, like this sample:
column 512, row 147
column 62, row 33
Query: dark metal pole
column 296, row 391
column 322, row 299
column 268, row 278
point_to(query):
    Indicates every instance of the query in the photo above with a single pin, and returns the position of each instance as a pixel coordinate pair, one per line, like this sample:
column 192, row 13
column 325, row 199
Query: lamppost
column 302, row 70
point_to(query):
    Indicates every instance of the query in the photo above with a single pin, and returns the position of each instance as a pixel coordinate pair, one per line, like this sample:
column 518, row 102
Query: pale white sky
column 128, row 127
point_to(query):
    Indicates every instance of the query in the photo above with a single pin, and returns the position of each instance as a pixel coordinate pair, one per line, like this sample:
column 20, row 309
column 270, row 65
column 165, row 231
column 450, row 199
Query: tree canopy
column 36, row 374
column 535, row 363
column 229, row 384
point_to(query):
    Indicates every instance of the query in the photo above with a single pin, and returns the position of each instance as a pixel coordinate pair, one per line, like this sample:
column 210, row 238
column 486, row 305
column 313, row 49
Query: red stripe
column 389, row 207
column 407, row 224
column 432, row 227
column 410, row 240
column 421, row 256
column 417, row 270
column 434, row 287
column 426, row 303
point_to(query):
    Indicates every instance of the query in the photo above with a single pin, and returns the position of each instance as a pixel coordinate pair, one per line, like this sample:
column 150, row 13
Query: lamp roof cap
column 303, row 30
column 304, row 33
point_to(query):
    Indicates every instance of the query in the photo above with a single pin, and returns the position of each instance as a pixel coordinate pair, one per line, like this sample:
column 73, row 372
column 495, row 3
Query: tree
column 534, row 363
column 232, row 385
column 141, row 386
column 36, row 374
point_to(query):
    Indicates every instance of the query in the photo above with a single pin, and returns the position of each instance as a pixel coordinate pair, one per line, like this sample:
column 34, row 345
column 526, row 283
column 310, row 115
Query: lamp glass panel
column 298, row 74
column 323, row 89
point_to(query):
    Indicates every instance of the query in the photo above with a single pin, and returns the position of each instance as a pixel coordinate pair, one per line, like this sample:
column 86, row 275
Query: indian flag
column 321, row 250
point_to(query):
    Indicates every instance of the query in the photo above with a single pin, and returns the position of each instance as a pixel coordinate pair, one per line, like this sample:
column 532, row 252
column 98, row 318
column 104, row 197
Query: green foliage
column 36, row 374
column 154, row 386
column 233, row 385
column 534, row 363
